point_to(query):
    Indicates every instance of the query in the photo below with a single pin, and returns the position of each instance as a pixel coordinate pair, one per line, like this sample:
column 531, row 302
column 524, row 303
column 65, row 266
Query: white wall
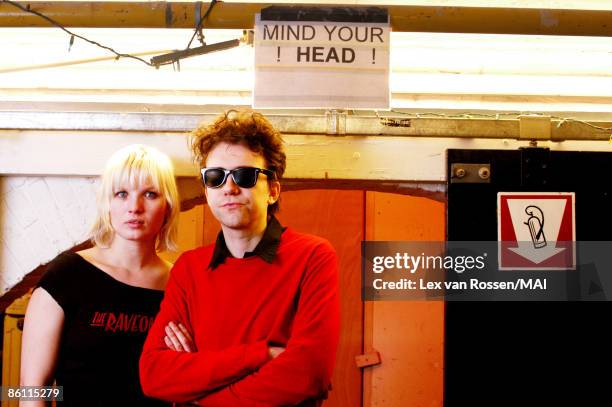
column 39, row 218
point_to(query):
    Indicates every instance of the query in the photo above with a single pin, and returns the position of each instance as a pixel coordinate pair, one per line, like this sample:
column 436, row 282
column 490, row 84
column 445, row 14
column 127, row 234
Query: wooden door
column 408, row 334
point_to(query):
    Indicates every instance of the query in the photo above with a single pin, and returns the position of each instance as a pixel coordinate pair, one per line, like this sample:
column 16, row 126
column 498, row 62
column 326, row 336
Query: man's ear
column 275, row 190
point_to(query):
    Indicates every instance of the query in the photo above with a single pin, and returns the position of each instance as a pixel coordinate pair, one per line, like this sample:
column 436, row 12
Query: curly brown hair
column 242, row 127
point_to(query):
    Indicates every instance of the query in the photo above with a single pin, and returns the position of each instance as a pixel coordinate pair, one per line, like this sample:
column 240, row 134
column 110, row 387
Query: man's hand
column 274, row 351
column 178, row 338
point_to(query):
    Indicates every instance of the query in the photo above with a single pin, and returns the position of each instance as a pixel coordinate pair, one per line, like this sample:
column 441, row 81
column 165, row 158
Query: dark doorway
column 529, row 353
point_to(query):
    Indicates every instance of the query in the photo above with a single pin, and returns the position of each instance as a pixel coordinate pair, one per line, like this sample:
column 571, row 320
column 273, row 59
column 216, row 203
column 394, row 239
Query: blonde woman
column 89, row 316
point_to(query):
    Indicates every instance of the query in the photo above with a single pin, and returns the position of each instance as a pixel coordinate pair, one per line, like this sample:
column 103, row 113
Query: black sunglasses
column 244, row 177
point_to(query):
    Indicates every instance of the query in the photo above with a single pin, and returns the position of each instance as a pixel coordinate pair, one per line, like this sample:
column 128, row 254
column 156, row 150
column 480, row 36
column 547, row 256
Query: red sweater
column 234, row 313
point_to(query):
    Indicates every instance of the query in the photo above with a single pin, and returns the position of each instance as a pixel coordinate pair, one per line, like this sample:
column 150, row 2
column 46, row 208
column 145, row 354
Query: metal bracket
column 368, row 359
column 468, row 173
column 198, row 16
column 535, row 170
column 336, row 122
column 248, row 37
column 534, row 127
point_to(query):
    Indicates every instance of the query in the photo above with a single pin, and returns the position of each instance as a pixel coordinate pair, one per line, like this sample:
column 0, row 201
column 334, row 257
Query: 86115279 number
column 32, row 393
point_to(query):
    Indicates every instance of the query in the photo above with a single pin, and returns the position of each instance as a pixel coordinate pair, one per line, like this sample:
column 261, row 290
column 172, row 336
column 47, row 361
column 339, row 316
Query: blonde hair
column 137, row 164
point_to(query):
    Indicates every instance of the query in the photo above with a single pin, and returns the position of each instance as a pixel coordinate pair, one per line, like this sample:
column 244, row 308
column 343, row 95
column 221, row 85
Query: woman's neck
column 130, row 255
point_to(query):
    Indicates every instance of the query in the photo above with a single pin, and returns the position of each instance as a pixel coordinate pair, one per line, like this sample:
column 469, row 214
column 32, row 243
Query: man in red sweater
column 252, row 320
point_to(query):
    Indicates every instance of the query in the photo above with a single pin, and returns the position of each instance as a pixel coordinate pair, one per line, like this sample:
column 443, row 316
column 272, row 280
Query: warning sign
column 536, row 230
column 322, row 58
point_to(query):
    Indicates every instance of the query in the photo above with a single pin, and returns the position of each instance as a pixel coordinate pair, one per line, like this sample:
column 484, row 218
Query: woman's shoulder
column 69, row 270
column 64, row 278
column 88, row 255
column 65, row 263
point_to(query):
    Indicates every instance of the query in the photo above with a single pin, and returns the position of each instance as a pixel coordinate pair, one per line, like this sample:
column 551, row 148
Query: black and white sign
column 322, row 58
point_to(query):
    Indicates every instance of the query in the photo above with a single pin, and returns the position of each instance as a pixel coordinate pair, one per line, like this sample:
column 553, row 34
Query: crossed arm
column 179, row 339
column 249, row 374
column 303, row 371
column 184, row 376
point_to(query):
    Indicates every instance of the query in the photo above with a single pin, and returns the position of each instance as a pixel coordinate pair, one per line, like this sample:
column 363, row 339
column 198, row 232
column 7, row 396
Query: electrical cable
column 117, row 54
column 73, row 35
column 199, row 26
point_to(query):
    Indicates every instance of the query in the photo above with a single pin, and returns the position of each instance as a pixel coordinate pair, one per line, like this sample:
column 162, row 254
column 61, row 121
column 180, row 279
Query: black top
column 105, row 326
column 266, row 248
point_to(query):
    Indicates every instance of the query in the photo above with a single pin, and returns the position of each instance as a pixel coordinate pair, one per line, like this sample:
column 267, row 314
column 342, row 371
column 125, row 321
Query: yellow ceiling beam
column 482, row 20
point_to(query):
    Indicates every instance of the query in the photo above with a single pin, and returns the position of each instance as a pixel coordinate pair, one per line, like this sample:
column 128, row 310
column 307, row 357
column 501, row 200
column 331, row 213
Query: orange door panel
column 408, row 334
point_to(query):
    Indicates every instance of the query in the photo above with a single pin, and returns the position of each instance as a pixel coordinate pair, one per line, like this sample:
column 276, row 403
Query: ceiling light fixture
column 176, row 56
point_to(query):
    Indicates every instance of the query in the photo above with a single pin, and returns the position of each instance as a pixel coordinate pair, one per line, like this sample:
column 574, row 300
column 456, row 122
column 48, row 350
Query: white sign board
column 321, row 64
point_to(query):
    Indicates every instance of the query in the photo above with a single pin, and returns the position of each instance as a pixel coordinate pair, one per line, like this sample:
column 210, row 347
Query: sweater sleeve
column 303, row 371
column 184, row 376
